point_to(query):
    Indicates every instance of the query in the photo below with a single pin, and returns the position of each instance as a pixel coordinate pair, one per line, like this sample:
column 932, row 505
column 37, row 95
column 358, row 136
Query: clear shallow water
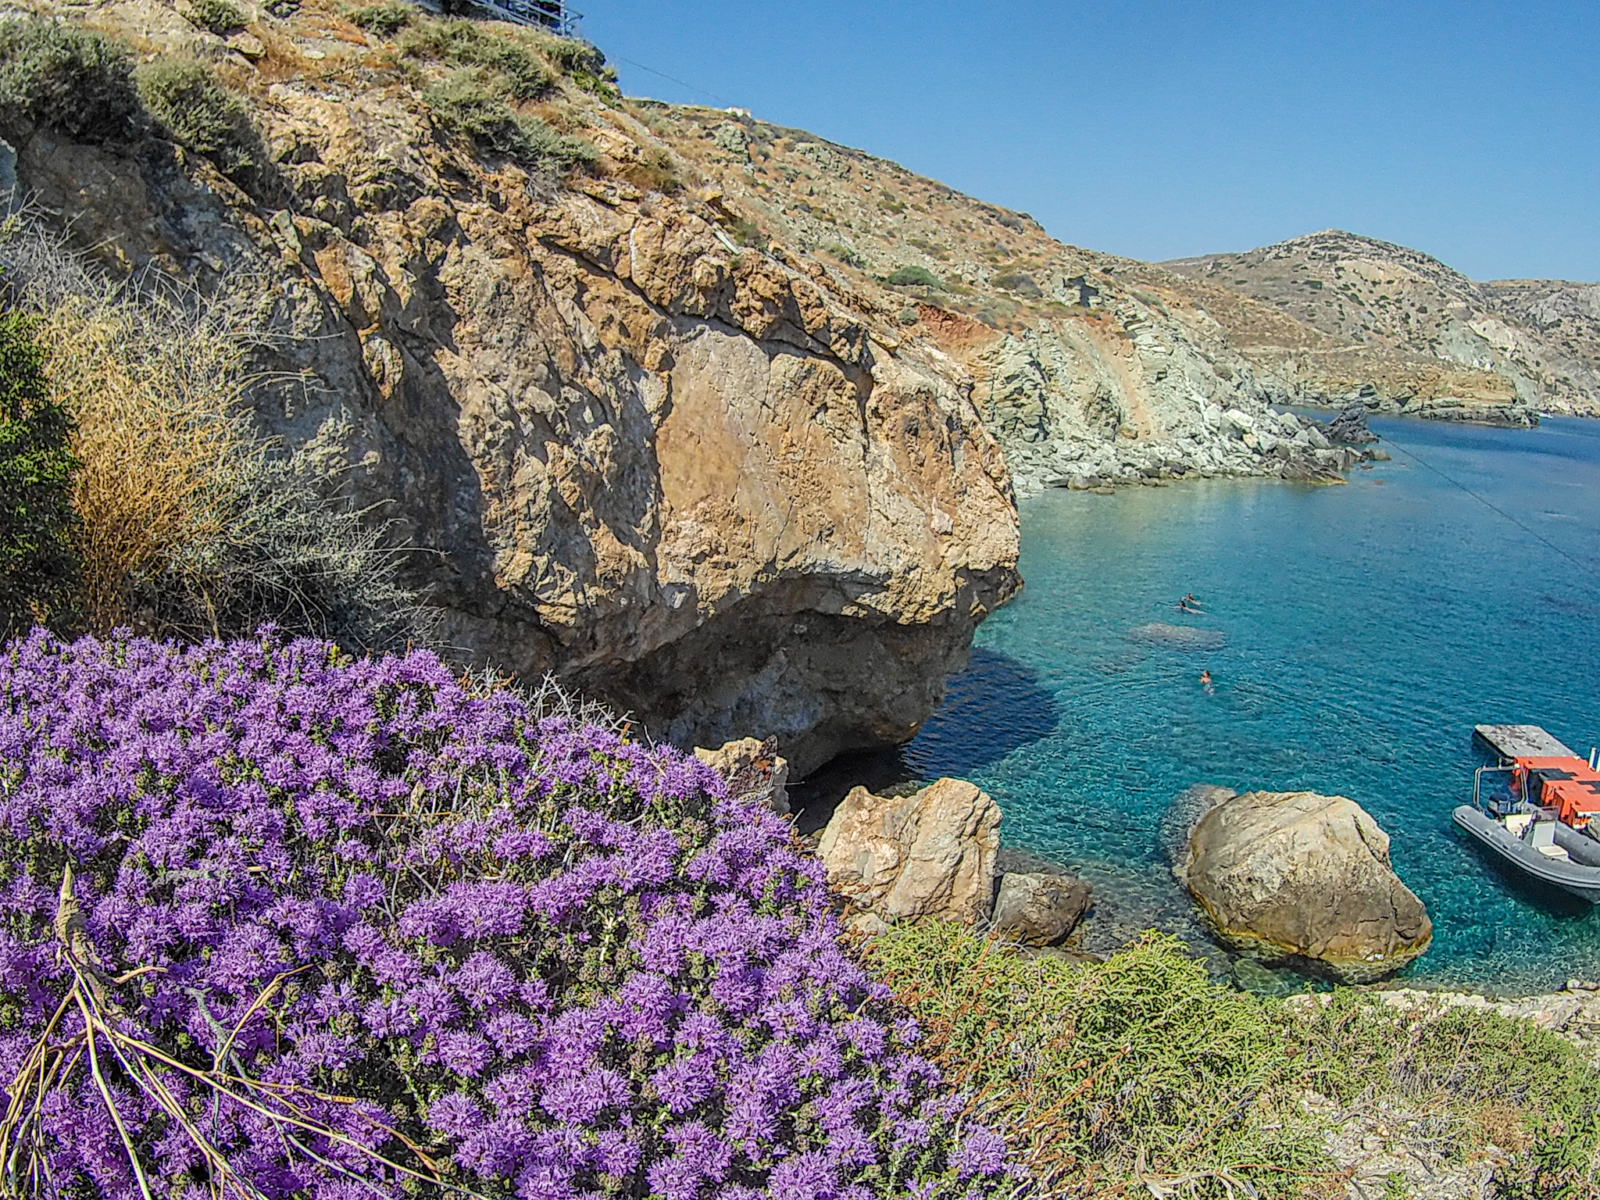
column 1367, row 629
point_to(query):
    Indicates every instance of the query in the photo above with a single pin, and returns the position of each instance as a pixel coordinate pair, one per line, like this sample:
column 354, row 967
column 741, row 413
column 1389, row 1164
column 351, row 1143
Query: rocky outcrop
column 1092, row 370
column 1148, row 399
column 754, row 771
column 1350, row 427
column 1305, row 878
column 1039, row 908
column 705, row 482
column 931, row 854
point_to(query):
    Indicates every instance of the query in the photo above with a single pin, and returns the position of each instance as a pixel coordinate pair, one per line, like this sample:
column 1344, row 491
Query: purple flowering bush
column 274, row 923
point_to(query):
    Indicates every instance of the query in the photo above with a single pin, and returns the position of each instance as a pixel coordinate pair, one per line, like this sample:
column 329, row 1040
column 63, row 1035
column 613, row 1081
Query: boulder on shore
column 930, row 854
column 1304, row 878
column 1039, row 908
column 753, row 769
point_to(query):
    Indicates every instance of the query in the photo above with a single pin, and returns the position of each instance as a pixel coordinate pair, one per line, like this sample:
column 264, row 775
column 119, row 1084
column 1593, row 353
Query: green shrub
column 1021, row 283
column 510, row 64
column 37, row 524
column 1105, row 1073
column 386, row 19
column 201, row 114
column 912, row 277
column 584, row 64
column 747, row 233
column 1142, row 1071
column 220, row 17
column 467, row 104
column 74, row 81
column 846, row 254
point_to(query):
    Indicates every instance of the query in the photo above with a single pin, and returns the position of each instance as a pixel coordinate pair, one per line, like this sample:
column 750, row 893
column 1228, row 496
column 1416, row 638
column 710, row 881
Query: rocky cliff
column 1405, row 332
column 708, row 482
column 1088, row 368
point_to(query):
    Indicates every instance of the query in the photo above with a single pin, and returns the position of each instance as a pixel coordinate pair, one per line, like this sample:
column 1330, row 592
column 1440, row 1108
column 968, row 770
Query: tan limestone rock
column 685, row 476
column 929, row 854
column 1305, row 878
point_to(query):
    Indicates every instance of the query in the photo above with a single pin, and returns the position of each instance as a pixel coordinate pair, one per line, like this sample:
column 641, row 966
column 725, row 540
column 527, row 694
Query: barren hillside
column 1534, row 345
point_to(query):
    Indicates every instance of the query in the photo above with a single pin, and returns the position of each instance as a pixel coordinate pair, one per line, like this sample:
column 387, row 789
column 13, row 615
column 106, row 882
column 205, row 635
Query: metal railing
column 553, row 15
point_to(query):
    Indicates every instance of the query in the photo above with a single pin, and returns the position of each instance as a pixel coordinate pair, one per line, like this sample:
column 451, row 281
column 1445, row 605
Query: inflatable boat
column 1538, row 814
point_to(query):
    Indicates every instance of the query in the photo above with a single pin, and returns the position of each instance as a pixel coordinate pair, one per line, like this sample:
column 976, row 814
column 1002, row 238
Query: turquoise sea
column 1356, row 634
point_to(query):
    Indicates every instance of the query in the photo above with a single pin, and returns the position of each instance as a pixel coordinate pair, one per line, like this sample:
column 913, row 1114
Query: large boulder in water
column 1304, row 878
column 929, row 854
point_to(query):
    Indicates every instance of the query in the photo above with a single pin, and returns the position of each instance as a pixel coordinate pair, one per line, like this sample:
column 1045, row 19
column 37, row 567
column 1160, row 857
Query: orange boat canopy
column 1568, row 785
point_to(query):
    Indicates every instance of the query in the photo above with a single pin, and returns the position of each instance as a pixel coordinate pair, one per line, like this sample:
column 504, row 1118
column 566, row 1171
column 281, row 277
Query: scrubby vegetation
column 278, row 923
column 465, row 103
column 69, row 79
column 187, row 522
column 503, row 62
column 584, row 64
column 38, row 559
column 186, row 97
column 1141, row 1076
column 1484, row 1076
column 220, row 17
column 385, row 19
column 912, row 277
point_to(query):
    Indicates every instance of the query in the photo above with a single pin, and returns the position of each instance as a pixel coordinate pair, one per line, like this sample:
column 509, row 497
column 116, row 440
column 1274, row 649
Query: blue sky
column 1162, row 129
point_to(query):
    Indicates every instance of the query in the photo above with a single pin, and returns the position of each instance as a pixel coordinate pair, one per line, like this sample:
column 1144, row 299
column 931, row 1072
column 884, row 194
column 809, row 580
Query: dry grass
column 156, row 446
column 192, row 523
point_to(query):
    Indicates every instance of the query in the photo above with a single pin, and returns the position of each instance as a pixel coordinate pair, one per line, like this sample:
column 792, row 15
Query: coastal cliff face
column 704, row 482
column 1089, row 368
column 1408, row 333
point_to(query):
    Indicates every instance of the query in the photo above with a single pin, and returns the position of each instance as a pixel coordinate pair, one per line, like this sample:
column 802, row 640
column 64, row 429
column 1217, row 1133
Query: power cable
column 674, row 79
column 1589, row 568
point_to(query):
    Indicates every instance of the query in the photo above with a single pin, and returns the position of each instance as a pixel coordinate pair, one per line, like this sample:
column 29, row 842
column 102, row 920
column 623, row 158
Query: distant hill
column 1533, row 344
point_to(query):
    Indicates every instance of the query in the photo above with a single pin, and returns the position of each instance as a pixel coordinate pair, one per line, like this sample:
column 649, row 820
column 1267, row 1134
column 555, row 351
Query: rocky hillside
column 1411, row 333
column 1089, row 368
column 710, row 483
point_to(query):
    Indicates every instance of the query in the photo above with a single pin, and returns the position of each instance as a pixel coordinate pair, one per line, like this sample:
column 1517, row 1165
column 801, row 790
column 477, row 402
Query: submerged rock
column 931, row 854
column 1185, row 637
column 1039, row 908
column 1304, row 878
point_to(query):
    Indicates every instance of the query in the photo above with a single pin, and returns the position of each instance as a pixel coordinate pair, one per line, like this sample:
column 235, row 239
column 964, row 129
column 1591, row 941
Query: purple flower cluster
column 350, row 929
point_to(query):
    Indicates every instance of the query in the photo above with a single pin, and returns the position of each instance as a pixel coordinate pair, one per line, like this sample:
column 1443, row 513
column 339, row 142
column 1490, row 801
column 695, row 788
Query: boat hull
column 1575, row 878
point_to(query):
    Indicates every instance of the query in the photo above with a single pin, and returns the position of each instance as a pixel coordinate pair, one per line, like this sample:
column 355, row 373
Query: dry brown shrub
column 193, row 524
column 156, row 447
column 1505, row 1125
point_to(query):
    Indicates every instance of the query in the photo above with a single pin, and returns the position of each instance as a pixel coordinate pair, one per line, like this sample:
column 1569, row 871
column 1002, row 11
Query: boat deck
column 1521, row 741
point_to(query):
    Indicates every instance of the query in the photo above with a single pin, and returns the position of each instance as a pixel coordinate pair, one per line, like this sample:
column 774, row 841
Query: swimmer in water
column 1207, row 684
